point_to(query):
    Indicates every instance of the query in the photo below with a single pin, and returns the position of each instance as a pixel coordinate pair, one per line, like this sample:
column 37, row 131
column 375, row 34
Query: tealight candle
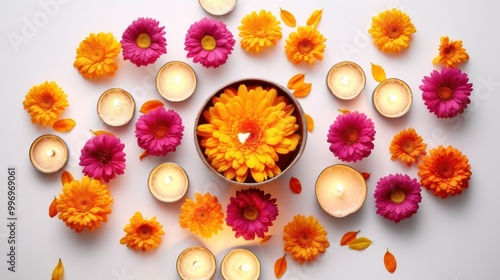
column 218, row 7
column 196, row 263
column 116, row 107
column 392, row 98
column 168, row 182
column 240, row 264
column 340, row 190
column 176, row 81
column 48, row 153
column 346, row 80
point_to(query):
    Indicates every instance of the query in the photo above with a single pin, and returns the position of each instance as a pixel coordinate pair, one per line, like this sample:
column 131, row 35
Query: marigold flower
column 391, row 31
column 95, row 56
column 203, row 216
column 445, row 171
column 143, row 234
column 305, row 238
column 143, row 42
column 259, row 31
column 450, row 53
column 102, row 157
column 407, row 146
column 84, row 204
column 45, row 103
column 305, row 45
column 260, row 114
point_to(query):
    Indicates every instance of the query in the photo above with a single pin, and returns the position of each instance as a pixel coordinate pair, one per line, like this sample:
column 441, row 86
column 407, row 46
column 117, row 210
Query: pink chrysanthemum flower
column 446, row 93
column 143, row 42
column 251, row 212
column 102, row 157
column 209, row 42
column 397, row 197
column 351, row 136
column 159, row 131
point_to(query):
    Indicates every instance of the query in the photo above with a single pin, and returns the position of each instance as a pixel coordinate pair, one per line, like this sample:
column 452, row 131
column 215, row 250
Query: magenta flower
column 446, row 93
column 102, row 157
column 351, row 136
column 251, row 212
column 159, row 131
column 143, row 41
column 209, row 42
column 397, row 197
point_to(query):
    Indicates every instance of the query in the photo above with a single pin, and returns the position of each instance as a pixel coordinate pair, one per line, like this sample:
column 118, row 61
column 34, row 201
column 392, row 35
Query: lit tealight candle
column 346, row 80
column 176, row 81
column 340, row 190
column 168, row 182
column 240, row 264
column 48, row 153
column 218, row 7
column 116, row 107
column 196, row 263
column 392, row 98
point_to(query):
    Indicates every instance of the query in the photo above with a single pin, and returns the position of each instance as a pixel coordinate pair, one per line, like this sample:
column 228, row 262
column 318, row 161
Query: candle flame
column 340, row 189
column 168, row 179
column 344, row 80
column 177, row 79
column 245, row 267
column 116, row 103
column 196, row 264
column 50, row 153
column 393, row 97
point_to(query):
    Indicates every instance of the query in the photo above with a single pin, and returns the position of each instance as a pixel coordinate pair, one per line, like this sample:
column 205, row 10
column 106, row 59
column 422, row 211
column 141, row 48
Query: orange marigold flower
column 391, row 31
column 45, row 103
column 450, row 53
column 306, row 44
column 445, row 171
column 305, row 238
column 203, row 216
column 407, row 146
column 142, row 233
column 258, row 31
column 84, row 204
column 95, row 56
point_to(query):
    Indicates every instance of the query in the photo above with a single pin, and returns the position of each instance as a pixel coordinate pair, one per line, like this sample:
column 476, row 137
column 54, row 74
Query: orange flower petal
column 315, row 18
column 378, row 73
column 280, row 266
column 64, row 125
column 365, row 175
column 288, row 18
column 151, row 105
column 348, row 237
column 296, row 81
column 309, row 123
column 390, row 261
column 265, row 239
column 99, row 132
column 344, row 111
column 66, row 177
column 143, row 155
column 53, row 208
column 295, row 185
column 303, row 90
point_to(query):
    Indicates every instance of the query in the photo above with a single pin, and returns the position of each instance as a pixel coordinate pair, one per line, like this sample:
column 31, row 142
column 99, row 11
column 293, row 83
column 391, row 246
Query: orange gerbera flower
column 306, row 44
column 84, row 204
column 450, row 53
column 445, row 171
column 305, row 238
column 45, row 103
column 391, row 31
column 407, row 146
column 258, row 31
column 203, row 216
column 142, row 233
column 95, row 57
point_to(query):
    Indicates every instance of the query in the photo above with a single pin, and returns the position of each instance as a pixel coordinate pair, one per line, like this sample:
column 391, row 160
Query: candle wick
column 168, row 179
column 50, row 153
column 245, row 267
column 196, row 264
column 116, row 103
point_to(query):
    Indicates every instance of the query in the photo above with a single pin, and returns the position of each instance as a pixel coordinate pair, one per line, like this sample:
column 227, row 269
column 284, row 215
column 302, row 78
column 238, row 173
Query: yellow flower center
column 159, row 131
column 351, row 135
column 145, row 231
column 84, row 203
column 445, row 93
column 47, row 101
column 445, row 170
column 304, row 239
column 208, row 43
column 393, row 31
column 201, row 215
column 103, row 157
column 408, row 146
column 97, row 55
column 143, row 41
column 398, row 196
column 251, row 213
column 305, row 46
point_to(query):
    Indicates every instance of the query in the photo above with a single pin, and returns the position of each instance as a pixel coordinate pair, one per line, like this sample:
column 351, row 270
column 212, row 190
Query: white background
column 454, row 238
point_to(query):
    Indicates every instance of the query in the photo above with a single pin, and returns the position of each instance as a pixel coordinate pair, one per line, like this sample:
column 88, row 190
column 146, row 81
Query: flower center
column 201, row 215
column 251, row 213
column 305, row 46
column 145, row 231
column 304, row 239
column 445, row 171
column 160, row 131
column 97, row 55
column 84, row 203
column 398, row 196
column 449, row 51
column 143, row 41
column 393, row 32
column 208, row 43
column 351, row 135
column 47, row 101
column 445, row 93
column 103, row 157
column 408, row 146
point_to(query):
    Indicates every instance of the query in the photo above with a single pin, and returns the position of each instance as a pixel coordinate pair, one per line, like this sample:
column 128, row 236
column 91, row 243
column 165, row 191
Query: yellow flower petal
column 288, row 18
column 378, row 73
column 315, row 18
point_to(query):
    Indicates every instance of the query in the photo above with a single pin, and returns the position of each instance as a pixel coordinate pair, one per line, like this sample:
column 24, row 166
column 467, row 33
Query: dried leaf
column 99, row 132
column 295, row 185
column 64, row 125
column 66, row 177
column 348, row 237
column 143, row 155
column 390, row 261
column 280, row 266
column 315, row 18
column 360, row 243
column 288, row 18
column 309, row 123
column 295, row 81
column 303, row 90
column 151, row 105
column 265, row 239
column 365, row 175
column 53, row 208
column 344, row 111
column 57, row 273
column 378, row 73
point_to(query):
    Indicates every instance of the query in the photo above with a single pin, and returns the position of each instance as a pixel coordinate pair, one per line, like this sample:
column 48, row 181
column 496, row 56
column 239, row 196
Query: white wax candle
column 346, row 80
column 48, row 153
column 392, row 98
column 240, row 264
column 168, row 182
column 340, row 190
column 196, row 263
column 218, row 7
column 116, row 107
column 176, row 81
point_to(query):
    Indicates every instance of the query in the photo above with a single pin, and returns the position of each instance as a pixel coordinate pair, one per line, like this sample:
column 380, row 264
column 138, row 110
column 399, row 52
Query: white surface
column 455, row 238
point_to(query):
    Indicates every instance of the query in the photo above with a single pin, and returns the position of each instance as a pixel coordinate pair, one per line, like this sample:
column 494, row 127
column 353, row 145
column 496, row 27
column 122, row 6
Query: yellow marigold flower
column 95, row 57
column 142, row 233
column 84, row 204
column 259, row 31
column 407, row 146
column 203, row 216
column 305, row 238
column 392, row 30
column 246, row 131
column 45, row 103
column 307, row 44
column 445, row 171
column 450, row 53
